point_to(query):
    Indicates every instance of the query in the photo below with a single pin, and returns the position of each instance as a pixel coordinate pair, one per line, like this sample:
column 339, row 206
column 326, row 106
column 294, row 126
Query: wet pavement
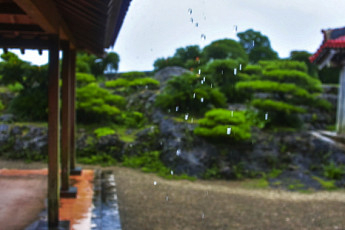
column 95, row 206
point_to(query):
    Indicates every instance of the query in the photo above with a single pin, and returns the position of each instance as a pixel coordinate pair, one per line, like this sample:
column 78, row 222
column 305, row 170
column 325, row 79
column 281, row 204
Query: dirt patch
column 221, row 205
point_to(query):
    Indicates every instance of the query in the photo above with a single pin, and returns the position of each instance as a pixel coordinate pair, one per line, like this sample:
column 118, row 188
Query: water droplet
column 203, row 37
column 171, row 172
column 194, row 95
column 155, row 183
column 253, row 43
column 204, row 78
column 196, row 24
column 190, row 11
column 240, row 67
column 235, row 28
column 166, row 198
column 186, row 117
column 202, row 100
column 266, row 116
column 228, row 131
column 235, row 71
column 178, row 152
column 199, row 72
column 211, row 85
column 222, row 72
column 191, row 20
column 202, row 81
column 177, row 108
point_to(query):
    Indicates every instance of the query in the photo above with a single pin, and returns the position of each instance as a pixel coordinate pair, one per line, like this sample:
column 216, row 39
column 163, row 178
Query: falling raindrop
column 266, row 116
column 203, row 216
column 176, row 108
column 146, row 87
column 161, row 143
column 202, row 81
column 211, row 85
column 203, row 37
column 194, row 95
column 228, row 131
column 190, row 11
column 199, row 72
column 235, row 71
column 204, row 78
column 240, row 67
column 222, row 72
column 196, row 24
column 155, row 183
column 186, row 117
column 178, row 152
column 202, row 100
column 232, row 113
column 171, row 172
column 166, row 198
column 192, row 20
column 235, row 28
column 253, row 43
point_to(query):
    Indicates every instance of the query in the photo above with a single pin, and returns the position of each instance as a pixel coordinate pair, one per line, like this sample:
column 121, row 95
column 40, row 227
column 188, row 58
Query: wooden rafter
column 46, row 15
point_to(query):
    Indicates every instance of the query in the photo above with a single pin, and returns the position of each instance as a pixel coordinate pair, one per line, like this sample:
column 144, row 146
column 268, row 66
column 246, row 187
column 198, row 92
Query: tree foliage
column 257, row 46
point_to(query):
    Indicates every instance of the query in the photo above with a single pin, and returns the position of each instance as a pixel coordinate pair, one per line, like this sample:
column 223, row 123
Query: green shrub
column 220, row 124
column 101, row 158
column 84, row 79
column 332, row 171
column 188, row 94
column 253, row 69
column 1, row 106
column 133, row 75
column 329, row 185
column 133, row 119
column 287, row 90
column 97, row 104
column 15, row 87
column 120, row 82
column 144, row 82
column 223, row 74
column 104, row 131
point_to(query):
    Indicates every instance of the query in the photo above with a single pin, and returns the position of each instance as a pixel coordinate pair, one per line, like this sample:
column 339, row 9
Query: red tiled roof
column 333, row 39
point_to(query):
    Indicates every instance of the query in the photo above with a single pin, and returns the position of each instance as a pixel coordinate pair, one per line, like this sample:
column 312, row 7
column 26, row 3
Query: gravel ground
column 221, row 205
column 216, row 204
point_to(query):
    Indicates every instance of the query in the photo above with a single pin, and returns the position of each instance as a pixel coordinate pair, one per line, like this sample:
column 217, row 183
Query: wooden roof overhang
column 332, row 50
column 90, row 25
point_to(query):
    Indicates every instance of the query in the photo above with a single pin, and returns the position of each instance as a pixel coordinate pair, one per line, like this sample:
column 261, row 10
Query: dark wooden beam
column 73, row 111
column 66, row 119
column 24, row 43
column 47, row 16
column 10, row 8
column 20, row 27
column 53, row 134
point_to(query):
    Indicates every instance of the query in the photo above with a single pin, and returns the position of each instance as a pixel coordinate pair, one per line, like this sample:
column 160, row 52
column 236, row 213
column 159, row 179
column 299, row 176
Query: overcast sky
column 155, row 28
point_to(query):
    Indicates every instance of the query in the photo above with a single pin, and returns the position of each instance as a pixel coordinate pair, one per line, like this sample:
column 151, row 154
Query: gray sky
column 155, row 28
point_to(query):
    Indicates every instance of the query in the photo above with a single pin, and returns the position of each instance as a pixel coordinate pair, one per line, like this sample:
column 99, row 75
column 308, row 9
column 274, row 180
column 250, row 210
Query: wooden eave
column 86, row 24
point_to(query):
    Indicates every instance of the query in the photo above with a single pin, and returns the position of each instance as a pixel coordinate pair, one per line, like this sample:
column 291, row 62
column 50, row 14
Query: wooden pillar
column 341, row 104
column 53, row 134
column 66, row 119
column 73, row 112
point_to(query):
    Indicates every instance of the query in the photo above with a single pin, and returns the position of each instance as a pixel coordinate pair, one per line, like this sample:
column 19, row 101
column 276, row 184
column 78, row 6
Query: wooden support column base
column 43, row 225
column 70, row 193
column 76, row 171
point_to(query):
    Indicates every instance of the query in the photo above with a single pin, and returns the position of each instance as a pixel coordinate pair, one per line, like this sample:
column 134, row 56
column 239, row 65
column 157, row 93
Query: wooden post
column 66, row 119
column 73, row 112
column 53, row 133
column 341, row 104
